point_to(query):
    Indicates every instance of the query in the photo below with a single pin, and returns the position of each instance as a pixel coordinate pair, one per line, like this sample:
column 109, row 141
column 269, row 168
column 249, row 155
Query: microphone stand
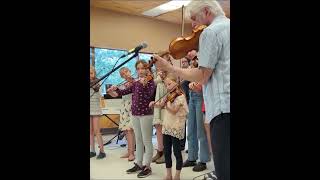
column 109, row 73
column 113, row 70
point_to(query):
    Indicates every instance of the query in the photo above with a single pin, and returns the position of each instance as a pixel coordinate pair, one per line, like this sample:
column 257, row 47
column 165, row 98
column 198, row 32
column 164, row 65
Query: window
column 91, row 56
column 104, row 60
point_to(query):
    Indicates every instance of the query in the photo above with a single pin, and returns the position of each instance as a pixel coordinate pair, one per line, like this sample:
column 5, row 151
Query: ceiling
column 136, row 7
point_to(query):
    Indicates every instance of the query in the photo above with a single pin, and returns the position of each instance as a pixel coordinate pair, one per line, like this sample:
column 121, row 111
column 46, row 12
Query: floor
column 114, row 167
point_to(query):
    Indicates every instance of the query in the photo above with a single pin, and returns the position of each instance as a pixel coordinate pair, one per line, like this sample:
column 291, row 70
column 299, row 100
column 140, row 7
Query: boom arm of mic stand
column 116, row 68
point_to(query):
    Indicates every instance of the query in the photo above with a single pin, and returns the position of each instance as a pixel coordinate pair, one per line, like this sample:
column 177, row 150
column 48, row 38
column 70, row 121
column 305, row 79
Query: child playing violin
column 173, row 126
column 142, row 91
column 125, row 123
column 95, row 113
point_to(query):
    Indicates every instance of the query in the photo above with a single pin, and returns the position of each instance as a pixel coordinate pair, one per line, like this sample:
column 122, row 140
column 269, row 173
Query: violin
column 173, row 95
column 180, row 47
column 149, row 77
column 96, row 87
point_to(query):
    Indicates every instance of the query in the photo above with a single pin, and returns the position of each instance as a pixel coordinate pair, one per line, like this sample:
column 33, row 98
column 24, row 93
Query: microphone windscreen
column 144, row 45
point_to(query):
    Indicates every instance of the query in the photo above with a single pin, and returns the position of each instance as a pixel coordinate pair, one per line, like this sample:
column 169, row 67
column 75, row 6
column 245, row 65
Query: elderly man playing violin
column 214, row 73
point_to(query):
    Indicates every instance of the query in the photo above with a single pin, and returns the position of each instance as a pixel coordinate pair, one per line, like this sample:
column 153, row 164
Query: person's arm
column 200, row 75
column 126, row 91
column 156, row 105
column 113, row 93
column 112, row 88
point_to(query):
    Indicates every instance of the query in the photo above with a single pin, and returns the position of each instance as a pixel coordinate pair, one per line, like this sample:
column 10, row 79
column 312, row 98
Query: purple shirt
column 141, row 97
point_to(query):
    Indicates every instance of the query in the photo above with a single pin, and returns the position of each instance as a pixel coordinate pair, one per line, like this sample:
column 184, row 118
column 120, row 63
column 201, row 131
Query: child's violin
column 172, row 96
column 149, row 77
column 94, row 85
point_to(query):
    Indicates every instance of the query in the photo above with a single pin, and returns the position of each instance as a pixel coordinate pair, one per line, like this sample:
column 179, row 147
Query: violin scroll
column 161, row 54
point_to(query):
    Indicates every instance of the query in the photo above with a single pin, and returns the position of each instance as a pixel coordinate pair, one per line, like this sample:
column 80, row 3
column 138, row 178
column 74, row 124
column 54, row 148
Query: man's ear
column 207, row 11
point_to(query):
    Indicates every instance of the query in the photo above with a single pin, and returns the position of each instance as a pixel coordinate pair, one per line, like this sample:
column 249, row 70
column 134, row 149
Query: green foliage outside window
column 105, row 59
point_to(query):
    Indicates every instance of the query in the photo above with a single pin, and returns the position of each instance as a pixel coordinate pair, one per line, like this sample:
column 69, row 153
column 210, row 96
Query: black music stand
column 119, row 134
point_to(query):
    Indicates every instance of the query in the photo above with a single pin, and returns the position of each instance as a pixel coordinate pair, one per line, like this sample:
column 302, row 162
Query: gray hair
column 124, row 68
column 196, row 6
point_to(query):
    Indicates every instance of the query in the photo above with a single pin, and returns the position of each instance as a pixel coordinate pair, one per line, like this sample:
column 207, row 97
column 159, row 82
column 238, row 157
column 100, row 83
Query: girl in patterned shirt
column 143, row 91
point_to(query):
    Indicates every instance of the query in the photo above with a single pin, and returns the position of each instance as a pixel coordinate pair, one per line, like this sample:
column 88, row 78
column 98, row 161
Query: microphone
column 135, row 50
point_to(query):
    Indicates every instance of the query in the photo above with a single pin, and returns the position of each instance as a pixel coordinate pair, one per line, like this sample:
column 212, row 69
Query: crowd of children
column 159, row 101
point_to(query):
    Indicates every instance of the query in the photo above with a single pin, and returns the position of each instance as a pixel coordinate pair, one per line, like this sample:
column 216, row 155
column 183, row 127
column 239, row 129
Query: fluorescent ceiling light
column 166, row 7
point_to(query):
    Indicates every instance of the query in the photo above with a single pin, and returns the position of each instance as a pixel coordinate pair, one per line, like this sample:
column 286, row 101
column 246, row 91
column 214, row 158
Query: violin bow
column 178, row 84
column 182, row 32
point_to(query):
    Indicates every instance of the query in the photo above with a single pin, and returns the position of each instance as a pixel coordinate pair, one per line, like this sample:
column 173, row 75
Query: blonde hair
column 196, row 6
column 93, row 69
column 124, row 68
column 173, row 78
